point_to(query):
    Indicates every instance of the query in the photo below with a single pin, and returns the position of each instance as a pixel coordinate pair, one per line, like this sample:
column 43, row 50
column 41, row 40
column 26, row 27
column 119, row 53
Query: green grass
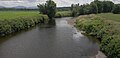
column 110, row 16
column 17, row 14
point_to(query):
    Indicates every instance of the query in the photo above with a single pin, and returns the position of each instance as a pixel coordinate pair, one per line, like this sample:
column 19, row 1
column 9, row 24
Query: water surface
column 60, row 41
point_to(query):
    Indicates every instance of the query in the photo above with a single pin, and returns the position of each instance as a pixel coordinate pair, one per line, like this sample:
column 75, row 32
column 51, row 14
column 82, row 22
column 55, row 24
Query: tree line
column 95, row 7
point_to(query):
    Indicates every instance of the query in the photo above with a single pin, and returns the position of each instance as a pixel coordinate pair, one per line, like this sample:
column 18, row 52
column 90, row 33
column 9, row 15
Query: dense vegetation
column 107, row 31
column 49, row 8
column 11, row 22
column 60, row 14
column 95, row 7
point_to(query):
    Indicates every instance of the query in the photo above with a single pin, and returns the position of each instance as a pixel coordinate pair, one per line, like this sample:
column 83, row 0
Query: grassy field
column 110, row 16
column 17, row 14
column 106, row 27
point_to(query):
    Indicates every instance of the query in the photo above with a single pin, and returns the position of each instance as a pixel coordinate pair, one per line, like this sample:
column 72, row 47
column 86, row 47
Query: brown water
column 60, row 41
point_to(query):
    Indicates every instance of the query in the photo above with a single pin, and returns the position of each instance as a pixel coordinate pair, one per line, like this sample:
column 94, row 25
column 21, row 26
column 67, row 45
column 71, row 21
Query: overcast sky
column 28, row 3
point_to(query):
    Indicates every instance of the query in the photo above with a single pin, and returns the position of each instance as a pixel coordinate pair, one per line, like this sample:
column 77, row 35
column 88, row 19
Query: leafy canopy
column 48, row 8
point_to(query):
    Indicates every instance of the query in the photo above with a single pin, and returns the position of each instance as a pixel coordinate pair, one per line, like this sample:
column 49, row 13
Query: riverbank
column 72, row 23
column 11, row 22
column 104, row 30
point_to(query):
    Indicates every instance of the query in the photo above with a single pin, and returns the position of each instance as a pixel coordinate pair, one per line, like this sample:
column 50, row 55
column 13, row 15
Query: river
column 59, row 41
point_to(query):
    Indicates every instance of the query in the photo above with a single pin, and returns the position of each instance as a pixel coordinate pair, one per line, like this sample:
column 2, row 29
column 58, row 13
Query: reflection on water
column 60, row 41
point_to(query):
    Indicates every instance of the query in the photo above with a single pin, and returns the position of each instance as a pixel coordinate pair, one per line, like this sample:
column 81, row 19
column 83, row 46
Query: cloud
column 28, row 3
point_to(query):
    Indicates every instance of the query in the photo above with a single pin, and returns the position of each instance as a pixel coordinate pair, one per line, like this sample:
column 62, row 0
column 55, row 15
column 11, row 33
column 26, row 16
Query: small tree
column 94, row 8
column 81, row 11
column 75, row 9
column 49, row 8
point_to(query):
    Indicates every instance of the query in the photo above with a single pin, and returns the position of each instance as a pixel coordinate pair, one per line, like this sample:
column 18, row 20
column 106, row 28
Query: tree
column 94, row 8
column 87, row 9
column 116, row 9
column 49, row 8
column 107, row 6
column 99, row 5
column 75, row 9
column 81, row 11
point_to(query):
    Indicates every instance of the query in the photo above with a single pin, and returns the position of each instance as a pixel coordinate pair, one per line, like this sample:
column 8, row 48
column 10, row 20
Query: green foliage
column 75, row 9
column 111, row 47
column 49, row 8
column 63, row 8
column 63, row 14
column 99, row 5
column 104, row 31
column 94, row 8
column 107, row 6
column 87, row 9
column 94, row 27
column 116, row 9
column 8, row 26
column 81, row 11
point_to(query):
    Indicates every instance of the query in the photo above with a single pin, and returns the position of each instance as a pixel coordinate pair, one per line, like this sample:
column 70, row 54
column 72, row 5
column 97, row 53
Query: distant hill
column 32, row 7
column 2, row 7
column 19, row 7
column 23, row 7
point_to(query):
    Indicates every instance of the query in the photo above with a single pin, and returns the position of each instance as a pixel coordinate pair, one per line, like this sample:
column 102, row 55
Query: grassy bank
column 63, row 14
column 105, row 29
column 13, row 21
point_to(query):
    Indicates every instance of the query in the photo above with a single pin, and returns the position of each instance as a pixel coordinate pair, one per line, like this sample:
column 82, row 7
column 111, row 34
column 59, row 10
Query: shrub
column 95, row 26
column 63, row 14
column 8, row 26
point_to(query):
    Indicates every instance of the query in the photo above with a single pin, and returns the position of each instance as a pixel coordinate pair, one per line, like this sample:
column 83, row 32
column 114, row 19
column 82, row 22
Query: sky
column 29, row 3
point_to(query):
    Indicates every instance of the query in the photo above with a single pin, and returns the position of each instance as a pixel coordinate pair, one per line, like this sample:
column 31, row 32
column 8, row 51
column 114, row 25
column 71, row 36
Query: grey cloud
column 35, row 2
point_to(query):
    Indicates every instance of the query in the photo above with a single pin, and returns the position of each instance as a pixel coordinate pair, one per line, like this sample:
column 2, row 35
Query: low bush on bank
column 8, row 26
column 63, row 14
column 104, row 31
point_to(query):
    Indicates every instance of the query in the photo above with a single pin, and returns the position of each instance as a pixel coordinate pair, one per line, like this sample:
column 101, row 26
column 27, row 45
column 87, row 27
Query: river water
column 60, row 41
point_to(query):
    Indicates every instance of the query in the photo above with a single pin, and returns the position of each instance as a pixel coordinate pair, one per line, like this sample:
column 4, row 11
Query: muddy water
column 60, row 41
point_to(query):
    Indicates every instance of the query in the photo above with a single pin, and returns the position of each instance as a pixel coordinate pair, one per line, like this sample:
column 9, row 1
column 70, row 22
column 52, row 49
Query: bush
column 8, row 26
column 95, row 26
column 111, row 48
column 63, row 14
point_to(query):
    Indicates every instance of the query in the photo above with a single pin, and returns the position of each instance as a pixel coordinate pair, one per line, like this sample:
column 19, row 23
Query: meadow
column 110, row 16
column 17, row 14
